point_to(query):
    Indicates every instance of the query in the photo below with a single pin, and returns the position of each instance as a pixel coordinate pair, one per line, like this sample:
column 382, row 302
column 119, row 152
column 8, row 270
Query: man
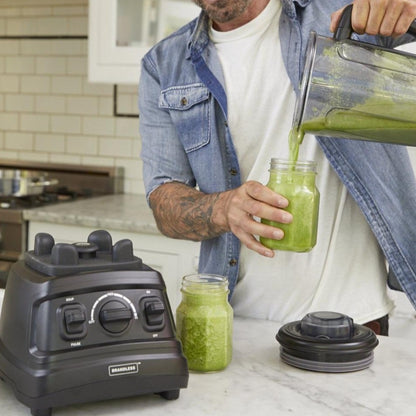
column 216, row 101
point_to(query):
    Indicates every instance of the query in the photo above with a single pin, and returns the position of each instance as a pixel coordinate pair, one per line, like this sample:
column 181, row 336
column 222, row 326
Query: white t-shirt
column 345, row 272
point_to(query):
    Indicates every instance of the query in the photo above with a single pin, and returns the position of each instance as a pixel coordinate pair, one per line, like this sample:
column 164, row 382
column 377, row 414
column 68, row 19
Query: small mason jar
column 204, row 322
column 296, row 182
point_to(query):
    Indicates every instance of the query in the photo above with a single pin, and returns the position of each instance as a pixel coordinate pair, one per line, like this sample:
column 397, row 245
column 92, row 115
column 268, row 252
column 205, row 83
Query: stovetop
column 62, row 194
column 74, row 182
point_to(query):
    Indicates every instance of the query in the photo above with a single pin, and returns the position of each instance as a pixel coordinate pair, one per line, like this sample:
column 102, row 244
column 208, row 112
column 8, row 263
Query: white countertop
column 124, row 212
column 257, row 382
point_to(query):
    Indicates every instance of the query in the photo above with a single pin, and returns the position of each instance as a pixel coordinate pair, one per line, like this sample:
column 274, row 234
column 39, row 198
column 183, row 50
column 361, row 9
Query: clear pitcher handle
column 345, row 30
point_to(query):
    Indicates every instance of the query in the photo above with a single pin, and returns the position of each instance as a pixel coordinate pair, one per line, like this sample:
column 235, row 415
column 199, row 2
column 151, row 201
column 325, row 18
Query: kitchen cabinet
column 172, row 258
column 122, row 31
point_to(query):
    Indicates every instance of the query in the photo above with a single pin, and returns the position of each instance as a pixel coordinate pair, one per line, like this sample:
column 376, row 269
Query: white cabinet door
column 172, row 258
column 120, row 32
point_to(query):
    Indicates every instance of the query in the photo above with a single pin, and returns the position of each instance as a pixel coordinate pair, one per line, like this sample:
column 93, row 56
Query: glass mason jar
column 204, row 322
column 296, row 182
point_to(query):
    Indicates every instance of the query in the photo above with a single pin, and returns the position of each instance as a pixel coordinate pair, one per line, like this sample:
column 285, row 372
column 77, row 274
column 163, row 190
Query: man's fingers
column 379, row 17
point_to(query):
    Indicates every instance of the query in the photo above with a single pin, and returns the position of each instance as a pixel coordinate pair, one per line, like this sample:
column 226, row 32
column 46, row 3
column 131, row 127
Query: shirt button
column 184, row 101
column 233, row 171
column 232, row 262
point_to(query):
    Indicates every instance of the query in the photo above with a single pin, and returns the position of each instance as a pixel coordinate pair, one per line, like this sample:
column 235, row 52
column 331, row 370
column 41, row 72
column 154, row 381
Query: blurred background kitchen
column 68, row 95
column 50, row 112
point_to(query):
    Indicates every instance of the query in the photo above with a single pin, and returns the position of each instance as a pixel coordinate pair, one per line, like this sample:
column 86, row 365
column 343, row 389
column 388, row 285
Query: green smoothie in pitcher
column 357, row 125
column 379, row 120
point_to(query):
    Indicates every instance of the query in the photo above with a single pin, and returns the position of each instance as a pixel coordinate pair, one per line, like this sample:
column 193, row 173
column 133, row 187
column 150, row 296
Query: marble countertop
column 124, row 212
column 257, row 382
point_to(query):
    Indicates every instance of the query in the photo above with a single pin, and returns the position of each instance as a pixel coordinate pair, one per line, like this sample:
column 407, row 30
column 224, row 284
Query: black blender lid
column 328, row 342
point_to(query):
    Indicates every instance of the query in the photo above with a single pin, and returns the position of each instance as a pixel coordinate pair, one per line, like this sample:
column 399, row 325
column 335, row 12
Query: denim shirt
column 185, row 138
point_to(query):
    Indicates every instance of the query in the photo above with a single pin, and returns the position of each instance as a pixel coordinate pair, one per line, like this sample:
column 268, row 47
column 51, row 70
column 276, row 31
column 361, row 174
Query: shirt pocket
column 189, row 107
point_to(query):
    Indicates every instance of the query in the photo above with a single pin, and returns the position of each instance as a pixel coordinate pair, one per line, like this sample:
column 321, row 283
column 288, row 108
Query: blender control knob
column 115, row 316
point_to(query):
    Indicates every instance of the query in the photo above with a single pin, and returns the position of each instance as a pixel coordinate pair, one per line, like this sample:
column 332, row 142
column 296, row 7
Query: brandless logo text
column 123, row 369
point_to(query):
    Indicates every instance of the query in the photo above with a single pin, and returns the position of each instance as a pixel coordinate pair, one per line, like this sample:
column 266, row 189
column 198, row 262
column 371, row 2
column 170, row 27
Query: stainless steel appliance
column 26, row 185
column 85, row 322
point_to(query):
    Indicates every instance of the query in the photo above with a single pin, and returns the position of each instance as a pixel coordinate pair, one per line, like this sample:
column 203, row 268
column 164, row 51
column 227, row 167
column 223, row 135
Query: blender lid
column 328, row 342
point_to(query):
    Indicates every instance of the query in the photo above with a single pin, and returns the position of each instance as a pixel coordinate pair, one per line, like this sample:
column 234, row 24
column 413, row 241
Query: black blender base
column 101, row 326
column 44, row 405
column 41, row 412
column 168, row 395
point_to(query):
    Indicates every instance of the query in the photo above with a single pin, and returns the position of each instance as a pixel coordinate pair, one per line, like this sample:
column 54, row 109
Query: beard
column 223, row 11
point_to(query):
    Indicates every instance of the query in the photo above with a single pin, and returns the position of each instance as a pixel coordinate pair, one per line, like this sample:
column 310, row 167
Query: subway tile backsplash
column 49, row 112
column 48, row 109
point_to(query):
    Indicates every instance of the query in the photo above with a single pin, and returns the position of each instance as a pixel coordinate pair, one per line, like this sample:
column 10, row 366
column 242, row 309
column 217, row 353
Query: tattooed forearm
column 184, row 212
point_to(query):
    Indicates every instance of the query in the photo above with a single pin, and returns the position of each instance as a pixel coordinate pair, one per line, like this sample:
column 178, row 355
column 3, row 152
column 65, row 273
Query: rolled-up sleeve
column 164, row 158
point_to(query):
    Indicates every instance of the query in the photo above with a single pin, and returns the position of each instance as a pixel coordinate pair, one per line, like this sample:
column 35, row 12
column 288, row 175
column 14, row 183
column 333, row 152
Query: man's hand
column 253, row 199
column 184, row 212
column 379, row 17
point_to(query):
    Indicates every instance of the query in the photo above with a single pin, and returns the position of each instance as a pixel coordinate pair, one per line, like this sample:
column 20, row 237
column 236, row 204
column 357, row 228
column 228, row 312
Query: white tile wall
column 50, row 112
column 48, row 109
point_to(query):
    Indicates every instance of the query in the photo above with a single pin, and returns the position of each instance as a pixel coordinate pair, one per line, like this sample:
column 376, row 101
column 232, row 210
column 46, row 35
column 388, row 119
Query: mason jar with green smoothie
column 204, row 322
column 295, row 180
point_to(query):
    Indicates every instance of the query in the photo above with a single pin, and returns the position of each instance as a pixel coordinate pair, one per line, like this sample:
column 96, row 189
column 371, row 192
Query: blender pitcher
column 357, row 90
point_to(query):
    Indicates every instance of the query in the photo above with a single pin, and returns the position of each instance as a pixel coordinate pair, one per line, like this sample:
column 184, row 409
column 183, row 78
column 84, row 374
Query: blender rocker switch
column 154, row 312
column 74, row 321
